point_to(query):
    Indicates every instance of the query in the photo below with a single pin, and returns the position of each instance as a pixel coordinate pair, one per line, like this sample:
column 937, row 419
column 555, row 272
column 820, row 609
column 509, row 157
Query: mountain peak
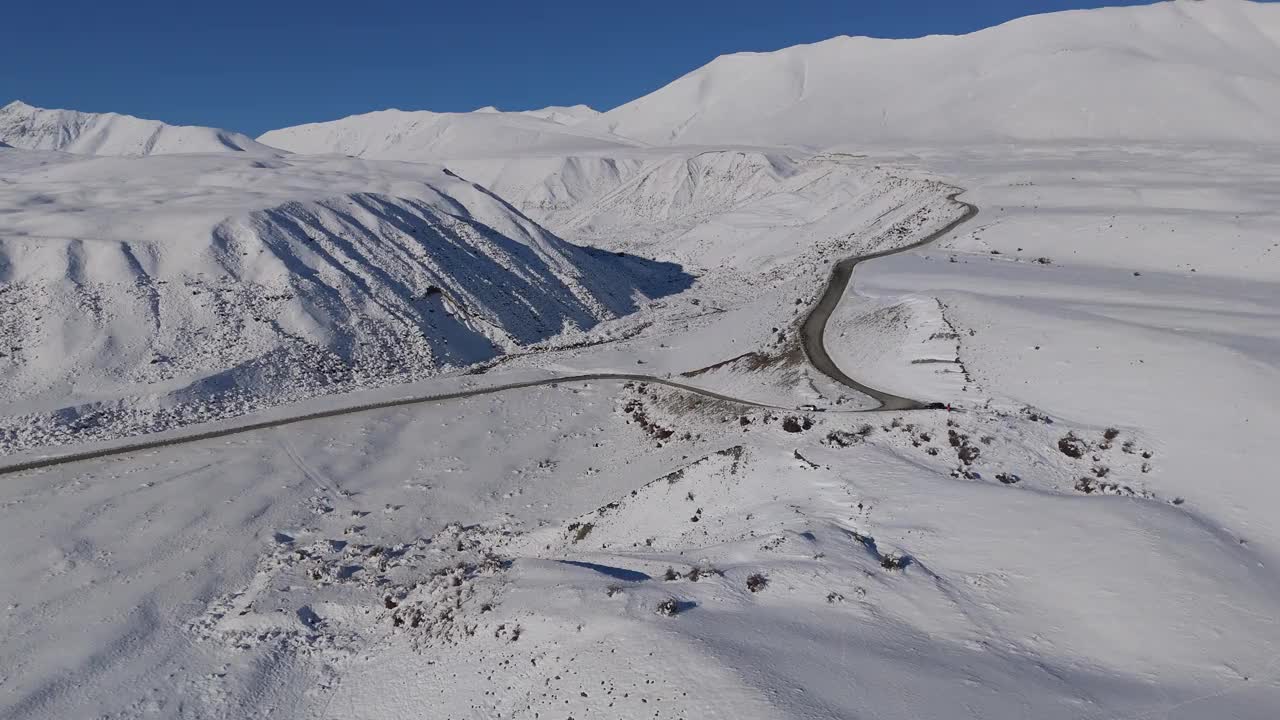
column 35, row 128
column 436, row 137
column 1179, row 71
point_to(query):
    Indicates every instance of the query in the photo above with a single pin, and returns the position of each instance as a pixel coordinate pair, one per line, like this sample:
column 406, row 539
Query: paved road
column 815, row 325
column 812, row 331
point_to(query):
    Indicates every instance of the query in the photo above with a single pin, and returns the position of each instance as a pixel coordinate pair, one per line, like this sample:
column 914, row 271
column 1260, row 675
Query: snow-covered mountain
column 196, row 277
column 1187, row 71
column 570, row 115
column 1086, row 531
column 429, row 136
column 25, row 126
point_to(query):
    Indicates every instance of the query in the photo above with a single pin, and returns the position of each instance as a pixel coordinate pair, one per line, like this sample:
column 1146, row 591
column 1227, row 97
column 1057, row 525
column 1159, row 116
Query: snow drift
column 25, row 126
column 1184, row 71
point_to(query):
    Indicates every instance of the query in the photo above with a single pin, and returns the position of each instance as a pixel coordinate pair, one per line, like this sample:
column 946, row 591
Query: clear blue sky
column 253, row 66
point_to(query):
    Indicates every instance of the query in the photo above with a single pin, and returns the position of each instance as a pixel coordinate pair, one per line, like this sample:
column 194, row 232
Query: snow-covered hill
column 546, row 186
column 1086, row 531
column 25, row 126
column 429, row 136
column 565, row 115
column 233, row 281
column 1185, row 71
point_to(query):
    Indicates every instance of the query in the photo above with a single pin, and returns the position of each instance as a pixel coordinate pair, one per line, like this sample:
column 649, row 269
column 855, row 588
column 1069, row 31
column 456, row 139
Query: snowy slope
column 228, row 281
column 545, row 187
column 565, row 115
column 1190, row 71
column 1088, row 534
column 429, row 136
column 508, row 557
column 760, row 229
column 24, row 126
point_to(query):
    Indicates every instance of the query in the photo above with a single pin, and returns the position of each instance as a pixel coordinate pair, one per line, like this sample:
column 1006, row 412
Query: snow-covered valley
column 535, row 431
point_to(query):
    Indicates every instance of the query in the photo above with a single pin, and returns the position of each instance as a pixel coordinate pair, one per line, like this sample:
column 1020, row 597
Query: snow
column 425, row 136
column 565, row 115
column 1086, row 533
column 1184, row 71
column 1014, row 597
column 1156, row 312
column 179, row 288
column 25, row 126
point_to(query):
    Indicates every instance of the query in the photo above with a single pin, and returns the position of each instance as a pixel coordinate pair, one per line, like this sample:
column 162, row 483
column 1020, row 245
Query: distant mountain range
column 1175, row 71
column 33, row 128
column 430, row 136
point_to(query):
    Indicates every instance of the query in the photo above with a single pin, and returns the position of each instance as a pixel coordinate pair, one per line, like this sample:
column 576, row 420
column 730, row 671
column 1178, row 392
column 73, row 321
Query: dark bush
column 894, row 562
column 1072, row 446
column 668, row 607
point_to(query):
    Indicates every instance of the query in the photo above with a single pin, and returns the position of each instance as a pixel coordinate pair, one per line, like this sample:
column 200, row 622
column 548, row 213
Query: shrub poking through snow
column 1072, row 446
column 697, row 573
column 845, row 438
column 894, row 562
column 667, row 607
column 670, row 575
column 1111, row 434
column 793, row 424
column 757, row 582
column 1036, row 416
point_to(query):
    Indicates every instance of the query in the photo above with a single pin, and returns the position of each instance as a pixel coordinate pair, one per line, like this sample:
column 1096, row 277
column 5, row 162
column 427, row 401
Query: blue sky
column 253, row 66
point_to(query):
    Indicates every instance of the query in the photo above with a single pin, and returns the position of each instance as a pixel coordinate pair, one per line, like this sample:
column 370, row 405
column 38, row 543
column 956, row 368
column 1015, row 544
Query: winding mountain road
column 815, row 325
column 812, row 332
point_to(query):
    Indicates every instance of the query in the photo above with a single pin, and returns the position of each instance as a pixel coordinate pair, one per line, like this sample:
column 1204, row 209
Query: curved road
column 811, row 335
column 815, row 325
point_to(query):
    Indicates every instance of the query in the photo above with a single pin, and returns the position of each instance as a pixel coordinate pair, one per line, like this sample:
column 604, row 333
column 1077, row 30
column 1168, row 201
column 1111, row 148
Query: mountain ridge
column 427, row 136
column 1174, row 71
column 35, row 128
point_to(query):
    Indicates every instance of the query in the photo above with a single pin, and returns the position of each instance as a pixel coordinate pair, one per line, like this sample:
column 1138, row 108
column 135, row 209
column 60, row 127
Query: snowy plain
column 1086, row 534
